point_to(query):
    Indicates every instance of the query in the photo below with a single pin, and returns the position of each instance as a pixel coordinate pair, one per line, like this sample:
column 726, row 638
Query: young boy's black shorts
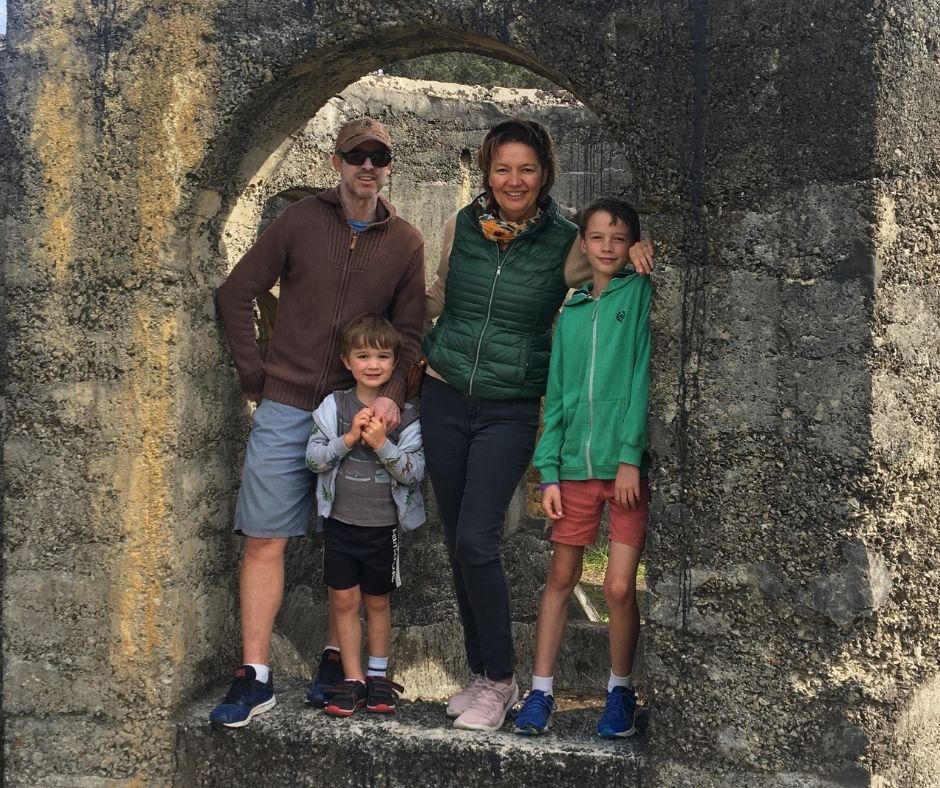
column 356, row 555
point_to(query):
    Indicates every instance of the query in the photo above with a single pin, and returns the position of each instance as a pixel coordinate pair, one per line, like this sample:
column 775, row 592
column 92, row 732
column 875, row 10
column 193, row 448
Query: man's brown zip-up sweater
column 329, row 274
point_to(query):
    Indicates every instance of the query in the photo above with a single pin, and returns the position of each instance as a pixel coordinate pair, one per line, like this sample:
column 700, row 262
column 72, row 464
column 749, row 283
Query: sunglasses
column 358, row 156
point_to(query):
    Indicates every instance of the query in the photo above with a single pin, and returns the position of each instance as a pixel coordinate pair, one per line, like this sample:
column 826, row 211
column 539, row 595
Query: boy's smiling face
column 371, row 367
column 605, row 243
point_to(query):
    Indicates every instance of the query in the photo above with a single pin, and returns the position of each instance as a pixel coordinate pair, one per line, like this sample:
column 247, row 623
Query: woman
column 507, row 263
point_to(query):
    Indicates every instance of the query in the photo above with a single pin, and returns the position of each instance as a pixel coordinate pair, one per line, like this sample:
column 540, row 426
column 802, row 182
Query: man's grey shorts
column 278, row 491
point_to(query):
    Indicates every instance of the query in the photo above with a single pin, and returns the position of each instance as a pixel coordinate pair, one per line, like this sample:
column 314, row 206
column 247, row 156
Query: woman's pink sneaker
column 458, row 703
column 488, row 710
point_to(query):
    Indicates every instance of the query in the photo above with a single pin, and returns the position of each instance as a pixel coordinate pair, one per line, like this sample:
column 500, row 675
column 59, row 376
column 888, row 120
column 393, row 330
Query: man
column 338, row 254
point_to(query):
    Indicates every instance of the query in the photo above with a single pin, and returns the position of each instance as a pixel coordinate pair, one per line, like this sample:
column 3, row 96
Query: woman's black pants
column 477, row 451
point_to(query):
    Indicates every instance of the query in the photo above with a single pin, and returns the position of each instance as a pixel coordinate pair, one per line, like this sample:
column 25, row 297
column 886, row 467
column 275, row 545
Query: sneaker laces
column 240, row 687
column 475, row 684
column 615, row 703
column 537, row 701
column 491, row 696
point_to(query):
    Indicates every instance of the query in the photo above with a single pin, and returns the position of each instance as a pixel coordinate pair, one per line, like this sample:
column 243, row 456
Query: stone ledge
column 298, row 746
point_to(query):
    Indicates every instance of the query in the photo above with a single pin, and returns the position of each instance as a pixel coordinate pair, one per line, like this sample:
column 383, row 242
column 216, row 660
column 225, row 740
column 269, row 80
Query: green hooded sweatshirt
column 598, row 384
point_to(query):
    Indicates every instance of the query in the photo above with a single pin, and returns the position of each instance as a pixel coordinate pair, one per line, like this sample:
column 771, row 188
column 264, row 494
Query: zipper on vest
column 352, row 241
column 489, row 312
column 587, row 444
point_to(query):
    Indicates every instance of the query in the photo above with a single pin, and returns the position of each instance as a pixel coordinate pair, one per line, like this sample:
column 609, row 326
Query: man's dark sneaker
column 345, row 699
column 619, row 714
column 382, row 695
column 535, row 716
column 246, row 698
column 329, row 674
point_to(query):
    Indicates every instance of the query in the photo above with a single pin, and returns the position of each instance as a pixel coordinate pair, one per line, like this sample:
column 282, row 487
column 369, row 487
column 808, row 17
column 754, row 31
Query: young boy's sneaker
column 487, row 711
column 459, row 702
column 346, row 699
column 619, row 714
column 246, row 698
column 535, row 716
column 329, row 674
column 382, row 694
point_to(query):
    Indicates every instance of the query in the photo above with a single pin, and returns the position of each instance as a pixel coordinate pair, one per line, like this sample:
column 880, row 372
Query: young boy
column 367, row 485
column 592, row 451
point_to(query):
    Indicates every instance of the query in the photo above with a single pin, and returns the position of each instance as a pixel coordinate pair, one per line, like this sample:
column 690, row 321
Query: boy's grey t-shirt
column 363, row 493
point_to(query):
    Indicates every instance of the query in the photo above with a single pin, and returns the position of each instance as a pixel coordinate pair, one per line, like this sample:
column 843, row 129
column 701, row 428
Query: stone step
column 294, row 745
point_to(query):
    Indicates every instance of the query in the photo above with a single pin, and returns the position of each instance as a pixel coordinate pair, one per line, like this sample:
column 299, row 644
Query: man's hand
column 627, row 486
column 641, row 257
column 374, row 433
column 551, row 502
column 359, row 422
column 386, row 411
column 253, row 396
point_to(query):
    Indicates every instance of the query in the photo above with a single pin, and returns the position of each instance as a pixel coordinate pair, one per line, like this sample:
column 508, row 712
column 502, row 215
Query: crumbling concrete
column 784, row 157
column 299, row 746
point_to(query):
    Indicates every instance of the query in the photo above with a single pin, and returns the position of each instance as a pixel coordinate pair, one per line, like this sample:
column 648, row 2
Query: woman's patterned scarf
column 500, row 230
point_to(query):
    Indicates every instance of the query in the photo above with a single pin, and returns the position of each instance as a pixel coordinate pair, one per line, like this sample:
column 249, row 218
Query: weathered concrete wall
column 904, row 483
column 795, row 573
column 784, row 157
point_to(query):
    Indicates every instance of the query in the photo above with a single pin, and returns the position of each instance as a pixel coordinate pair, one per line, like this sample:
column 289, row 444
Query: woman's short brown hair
column 528, row 132
column 369, row 330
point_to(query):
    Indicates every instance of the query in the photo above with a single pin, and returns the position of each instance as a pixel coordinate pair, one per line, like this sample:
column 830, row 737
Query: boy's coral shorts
column 583, row 503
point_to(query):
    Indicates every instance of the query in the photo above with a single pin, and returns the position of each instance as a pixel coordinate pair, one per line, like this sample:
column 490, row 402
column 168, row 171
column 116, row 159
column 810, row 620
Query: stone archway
column 435, row 127
column 782, row 171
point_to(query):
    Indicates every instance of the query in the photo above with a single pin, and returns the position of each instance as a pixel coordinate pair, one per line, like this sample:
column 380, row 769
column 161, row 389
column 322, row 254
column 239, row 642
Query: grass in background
column 595, row 556
column 592, row 577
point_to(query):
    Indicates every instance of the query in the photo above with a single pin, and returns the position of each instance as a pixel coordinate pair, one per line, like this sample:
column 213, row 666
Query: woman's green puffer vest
column 493, row 338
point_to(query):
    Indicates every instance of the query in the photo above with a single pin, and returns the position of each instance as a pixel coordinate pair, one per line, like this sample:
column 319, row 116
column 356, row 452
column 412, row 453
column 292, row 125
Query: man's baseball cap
column 355, row 132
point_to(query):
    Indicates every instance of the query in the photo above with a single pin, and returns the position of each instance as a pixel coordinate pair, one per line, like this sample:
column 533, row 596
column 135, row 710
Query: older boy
column 593, row 451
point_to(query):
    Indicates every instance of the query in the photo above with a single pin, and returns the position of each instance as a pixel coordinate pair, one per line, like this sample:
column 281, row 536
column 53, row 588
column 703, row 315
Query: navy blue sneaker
column 329, row 674
column 535, row 716
column 617, row 721
column 246, row 698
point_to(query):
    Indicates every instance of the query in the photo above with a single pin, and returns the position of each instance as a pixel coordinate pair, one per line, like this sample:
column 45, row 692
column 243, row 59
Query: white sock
column 619, row 681
column 331, row 647
column 378, row 666
column 262, row 672
column 543, row 684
